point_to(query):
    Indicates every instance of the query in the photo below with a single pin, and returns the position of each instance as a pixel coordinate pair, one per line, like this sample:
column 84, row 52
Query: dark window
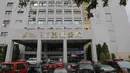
column 21, row 66
column 9, row 4
column 20, row 12
column 6, row 22
column 4, row 33
column 8, row 12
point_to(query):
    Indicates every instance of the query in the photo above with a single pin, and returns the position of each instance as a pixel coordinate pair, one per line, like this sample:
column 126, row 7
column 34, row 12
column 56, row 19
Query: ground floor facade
column 67, row 45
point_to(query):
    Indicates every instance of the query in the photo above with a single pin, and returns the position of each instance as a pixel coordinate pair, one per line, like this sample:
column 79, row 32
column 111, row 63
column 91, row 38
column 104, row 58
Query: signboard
column 53, row 35
column 28, row 34
column 76, row 53
column 61, row 34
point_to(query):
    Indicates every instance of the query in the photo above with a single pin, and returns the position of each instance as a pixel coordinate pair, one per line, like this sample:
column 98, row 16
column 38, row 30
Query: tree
column 108, row 55
column 16, row 52
column 106, row 50
column 98, row 47
column 102, row 57
column 113, row 55
column 91, row 4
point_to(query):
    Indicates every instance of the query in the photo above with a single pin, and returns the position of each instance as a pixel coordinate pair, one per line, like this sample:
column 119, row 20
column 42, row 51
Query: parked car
column 13, row 67
column 34, row 69
column 51, row 66
column 70, row 67
column 60, row 70
column 32, row 60
column 120, row 65
column 101, row 68
column 84, row 67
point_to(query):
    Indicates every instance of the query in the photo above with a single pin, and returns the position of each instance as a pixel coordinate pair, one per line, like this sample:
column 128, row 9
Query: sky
column 128, row 10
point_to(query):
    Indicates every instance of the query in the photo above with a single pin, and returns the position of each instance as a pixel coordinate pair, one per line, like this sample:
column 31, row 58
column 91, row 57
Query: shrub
column 108, row 55
column 113, row 55
column 102, row 57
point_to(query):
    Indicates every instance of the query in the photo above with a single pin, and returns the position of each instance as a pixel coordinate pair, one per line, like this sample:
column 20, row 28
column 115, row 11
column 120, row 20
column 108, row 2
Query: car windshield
column 6, row 66
column 106, row 67
column 32, row 59
column 85, row 66
column 60, row 71
column 124, row 64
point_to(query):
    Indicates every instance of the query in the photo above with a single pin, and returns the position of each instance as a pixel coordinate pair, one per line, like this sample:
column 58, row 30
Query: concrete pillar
column 9, row 51
column 39, row 51
column 94, row 51
column 65, row 51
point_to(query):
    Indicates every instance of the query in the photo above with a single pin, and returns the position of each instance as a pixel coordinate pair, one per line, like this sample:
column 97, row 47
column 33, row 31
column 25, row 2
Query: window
column 59, row 3
column 67, row 3
column 31, row 22
column 4, row 33
column 42, row 12
column 108, row 17
column 77, row 12
column 18, row 21
column 40, row 22
column 9, row 4
column 51, row 4
column 67, row 11
column 74, row 4
column 21, row 66
column 59, row 11
column 68, row 22
column 50, row 22
column 43, row 4
column 77, row 22
column 20, row 12
column 6, row 22
column 8, row 12
column 34, row 3
column 59, row 22
column 33, row 12
column 50, row 11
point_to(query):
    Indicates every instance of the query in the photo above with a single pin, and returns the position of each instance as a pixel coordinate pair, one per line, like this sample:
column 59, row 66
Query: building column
column 94, row 52
column 39, row 51
column 9, row 51
column 65, row 51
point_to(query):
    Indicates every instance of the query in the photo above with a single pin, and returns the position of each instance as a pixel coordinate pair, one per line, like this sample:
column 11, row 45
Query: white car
column 32, row 60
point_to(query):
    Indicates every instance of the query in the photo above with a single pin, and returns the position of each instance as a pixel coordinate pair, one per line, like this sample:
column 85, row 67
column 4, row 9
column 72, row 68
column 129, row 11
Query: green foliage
column 105, row 48
column 113, row 55
column 108, row 55
column 91, row 4
column 16, row 52
column 98, row 47
column 129, row 56
column 102, row 57
column 123, row 2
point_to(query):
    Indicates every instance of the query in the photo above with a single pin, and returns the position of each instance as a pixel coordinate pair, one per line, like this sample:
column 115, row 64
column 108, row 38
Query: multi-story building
column 58, row 28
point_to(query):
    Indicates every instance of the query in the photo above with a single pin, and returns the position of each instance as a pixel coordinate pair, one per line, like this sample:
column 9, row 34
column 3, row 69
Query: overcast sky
column 128, row 10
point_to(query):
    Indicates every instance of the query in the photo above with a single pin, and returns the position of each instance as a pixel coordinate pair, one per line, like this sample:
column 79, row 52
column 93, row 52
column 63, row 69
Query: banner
column 76, row 53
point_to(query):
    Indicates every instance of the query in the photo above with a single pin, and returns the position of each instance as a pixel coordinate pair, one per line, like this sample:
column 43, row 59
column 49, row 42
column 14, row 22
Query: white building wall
column 121, row 28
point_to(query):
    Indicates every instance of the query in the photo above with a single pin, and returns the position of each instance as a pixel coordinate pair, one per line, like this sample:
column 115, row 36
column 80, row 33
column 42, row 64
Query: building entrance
column 69, row 50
